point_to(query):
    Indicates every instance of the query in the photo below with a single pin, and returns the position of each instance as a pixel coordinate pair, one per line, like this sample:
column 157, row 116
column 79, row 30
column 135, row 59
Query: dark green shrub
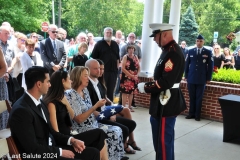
column 227, row 75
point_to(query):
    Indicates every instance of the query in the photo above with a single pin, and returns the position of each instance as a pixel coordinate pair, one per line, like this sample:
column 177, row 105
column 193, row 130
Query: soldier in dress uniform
column 198, row 72
column 165, row 88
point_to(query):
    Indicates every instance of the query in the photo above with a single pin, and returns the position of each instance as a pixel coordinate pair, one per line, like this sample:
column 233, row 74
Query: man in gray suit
column 52, row 51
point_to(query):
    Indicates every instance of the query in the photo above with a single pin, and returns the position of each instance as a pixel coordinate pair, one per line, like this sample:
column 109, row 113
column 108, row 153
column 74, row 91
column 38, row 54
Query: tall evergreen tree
column 188, row 28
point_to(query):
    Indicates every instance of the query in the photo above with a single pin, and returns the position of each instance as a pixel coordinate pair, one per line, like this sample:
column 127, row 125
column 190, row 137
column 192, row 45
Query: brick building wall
column 210, row 106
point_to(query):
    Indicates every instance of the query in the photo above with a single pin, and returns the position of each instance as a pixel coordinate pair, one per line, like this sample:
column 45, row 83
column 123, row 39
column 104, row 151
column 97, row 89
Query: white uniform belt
column 176, row 85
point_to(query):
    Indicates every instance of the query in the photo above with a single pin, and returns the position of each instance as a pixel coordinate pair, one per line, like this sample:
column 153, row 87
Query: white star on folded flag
column 113, row 111
column 102, row 116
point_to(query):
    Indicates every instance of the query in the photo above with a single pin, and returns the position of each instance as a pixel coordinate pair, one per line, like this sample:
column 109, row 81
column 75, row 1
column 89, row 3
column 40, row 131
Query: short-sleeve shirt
column 218, row 60
column 137, row 51
column 109, row 54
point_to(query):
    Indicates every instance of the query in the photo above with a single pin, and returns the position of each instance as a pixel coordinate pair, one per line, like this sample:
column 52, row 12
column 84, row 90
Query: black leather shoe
column 197, row 119
column 189, row 117
column 125, row 158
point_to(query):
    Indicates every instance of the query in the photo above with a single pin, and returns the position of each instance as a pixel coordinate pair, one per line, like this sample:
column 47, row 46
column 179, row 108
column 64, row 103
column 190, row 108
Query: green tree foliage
column 220, row 16
column 25, row 15
column 212, row 15
column 233, row 45
column 126, row 15
column 188, row 28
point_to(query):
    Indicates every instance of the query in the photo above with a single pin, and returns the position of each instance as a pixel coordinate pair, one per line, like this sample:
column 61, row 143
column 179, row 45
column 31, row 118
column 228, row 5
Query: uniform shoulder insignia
column 168, row 65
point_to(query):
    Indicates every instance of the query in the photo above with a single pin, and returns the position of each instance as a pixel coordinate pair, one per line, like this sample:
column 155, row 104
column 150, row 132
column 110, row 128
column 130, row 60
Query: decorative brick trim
column 210, row 106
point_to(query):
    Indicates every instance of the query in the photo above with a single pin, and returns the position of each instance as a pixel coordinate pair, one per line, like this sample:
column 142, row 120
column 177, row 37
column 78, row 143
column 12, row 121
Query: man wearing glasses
column 52, row 51
column 184, row 49
column 198, row 72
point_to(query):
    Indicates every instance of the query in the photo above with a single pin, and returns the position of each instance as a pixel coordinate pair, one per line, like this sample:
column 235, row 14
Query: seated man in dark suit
column 52, row 51
column 30, row 127
column 97, row 91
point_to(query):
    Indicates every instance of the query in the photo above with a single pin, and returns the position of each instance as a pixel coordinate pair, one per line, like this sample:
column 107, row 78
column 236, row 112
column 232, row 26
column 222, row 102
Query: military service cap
column 200, row 37
column 160, row 27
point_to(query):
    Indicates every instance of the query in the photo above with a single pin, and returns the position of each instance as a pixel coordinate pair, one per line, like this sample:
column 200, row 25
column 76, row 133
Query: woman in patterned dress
column 3, row 85
column 84, row 112
column 8, row 52
column 129, row 79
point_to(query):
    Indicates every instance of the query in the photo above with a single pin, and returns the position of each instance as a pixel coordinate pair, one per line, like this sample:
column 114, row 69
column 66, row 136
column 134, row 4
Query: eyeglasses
column 216, row 48
column 131, row 37
column 54, row 32
column 34, row 36
column 22, row 40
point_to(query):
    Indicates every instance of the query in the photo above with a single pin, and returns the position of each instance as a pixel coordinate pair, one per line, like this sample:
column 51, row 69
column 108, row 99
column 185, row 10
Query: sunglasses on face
column 54, row 32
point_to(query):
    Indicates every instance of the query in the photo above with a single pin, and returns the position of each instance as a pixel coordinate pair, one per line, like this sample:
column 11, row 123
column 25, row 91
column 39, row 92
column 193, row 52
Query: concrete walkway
column 193, row 140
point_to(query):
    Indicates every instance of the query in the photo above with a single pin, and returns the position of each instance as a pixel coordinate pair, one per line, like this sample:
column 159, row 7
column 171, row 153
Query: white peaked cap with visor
column 160, row 27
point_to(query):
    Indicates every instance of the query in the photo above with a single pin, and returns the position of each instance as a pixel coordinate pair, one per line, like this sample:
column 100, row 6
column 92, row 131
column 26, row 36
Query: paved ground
column 193, row 140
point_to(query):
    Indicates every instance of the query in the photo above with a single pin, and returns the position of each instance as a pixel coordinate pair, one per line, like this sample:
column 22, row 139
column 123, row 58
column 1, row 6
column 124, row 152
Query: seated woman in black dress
column 61, row 114
column 228, row 60
column 218, row 57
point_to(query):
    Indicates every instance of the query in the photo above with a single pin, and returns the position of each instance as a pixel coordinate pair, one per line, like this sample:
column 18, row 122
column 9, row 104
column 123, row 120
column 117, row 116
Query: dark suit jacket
column 48, row 56
column 199, row 68
column 29, row 129
column 93, row 93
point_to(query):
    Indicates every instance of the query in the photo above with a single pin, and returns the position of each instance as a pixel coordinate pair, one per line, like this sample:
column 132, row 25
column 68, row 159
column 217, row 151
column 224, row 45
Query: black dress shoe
column 189, row 117
column 197, row 119
column 125, row 158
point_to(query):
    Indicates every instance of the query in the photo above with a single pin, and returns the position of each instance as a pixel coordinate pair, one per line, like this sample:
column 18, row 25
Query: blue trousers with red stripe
column 163, row 137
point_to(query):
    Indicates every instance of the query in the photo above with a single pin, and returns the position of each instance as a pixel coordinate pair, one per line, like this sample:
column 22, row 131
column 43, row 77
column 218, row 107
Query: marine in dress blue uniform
column 198, row 71
column 167, row 76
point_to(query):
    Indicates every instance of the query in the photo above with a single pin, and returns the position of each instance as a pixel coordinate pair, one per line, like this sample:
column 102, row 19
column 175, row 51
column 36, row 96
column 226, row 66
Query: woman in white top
column 16, row 67
column 30, row 58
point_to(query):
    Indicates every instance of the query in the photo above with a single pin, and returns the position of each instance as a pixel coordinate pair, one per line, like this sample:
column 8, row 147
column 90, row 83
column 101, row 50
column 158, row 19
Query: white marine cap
column 160, row 27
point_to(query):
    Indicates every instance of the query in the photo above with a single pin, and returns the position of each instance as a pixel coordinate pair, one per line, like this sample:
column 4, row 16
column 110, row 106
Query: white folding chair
column 7, row 144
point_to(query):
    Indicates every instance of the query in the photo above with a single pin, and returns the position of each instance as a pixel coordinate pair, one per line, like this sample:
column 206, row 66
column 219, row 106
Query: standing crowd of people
column 58, row 88
column 67, row 86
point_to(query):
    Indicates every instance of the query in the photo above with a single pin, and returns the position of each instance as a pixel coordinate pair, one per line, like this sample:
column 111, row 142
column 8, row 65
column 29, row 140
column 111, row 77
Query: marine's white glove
column 141, row 87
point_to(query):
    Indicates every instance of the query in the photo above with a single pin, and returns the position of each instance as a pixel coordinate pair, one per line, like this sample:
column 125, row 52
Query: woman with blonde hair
column 80, row 58
column 16, row 66
column 229, row 59
column 85, row 112
column 218, row 57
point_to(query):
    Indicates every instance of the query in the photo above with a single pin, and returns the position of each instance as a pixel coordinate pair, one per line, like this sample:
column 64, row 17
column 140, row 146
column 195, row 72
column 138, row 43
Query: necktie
column 40, row 108
column 198, row 52
column 51, row 139
column 54, row 47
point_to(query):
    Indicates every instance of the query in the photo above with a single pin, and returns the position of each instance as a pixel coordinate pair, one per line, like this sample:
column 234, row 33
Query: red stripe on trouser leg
column 163, row 138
